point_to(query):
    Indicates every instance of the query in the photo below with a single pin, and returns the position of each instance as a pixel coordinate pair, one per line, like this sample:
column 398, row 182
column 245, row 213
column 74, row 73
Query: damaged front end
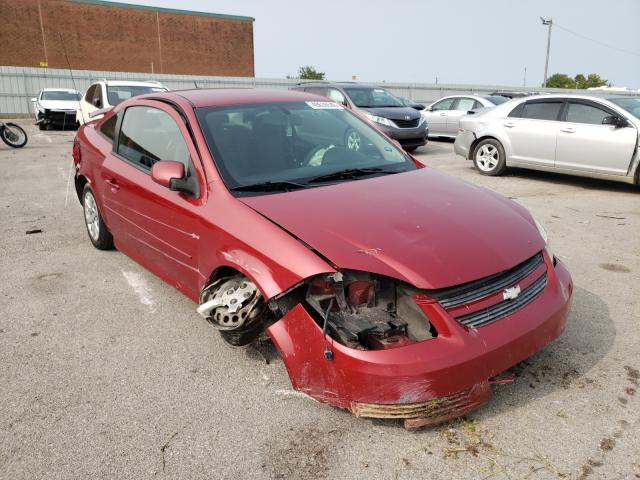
column 383, row 349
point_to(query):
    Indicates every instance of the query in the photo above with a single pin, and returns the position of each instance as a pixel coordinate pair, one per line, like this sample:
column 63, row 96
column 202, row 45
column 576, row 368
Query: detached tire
column 96, row 228
column 489, row 158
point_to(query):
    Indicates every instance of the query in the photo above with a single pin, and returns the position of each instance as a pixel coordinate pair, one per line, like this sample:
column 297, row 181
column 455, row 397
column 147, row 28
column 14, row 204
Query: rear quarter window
column 108, row 128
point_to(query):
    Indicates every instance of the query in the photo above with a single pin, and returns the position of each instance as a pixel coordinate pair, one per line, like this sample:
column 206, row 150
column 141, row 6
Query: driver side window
column 337, row 96
column 148, row 135
column 97, row 97
column 443, row 104
column 88, row 96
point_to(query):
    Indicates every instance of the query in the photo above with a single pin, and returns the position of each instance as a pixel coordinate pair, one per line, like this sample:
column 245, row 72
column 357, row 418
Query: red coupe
column 388, row 288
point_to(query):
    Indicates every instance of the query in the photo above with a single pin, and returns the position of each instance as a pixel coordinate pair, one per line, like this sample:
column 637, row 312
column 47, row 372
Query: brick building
column 101, row 35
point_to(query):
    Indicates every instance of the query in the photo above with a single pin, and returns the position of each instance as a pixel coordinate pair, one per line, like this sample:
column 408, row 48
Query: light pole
column 549, row 22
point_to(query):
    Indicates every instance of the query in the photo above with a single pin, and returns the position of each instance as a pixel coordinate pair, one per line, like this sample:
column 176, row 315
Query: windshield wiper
column 348, row 173
column 269, row 187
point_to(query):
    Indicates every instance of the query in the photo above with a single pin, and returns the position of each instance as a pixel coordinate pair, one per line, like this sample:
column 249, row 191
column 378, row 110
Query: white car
column 443, row 116
column 106, row 94
column 574, row 134
column 56, row 107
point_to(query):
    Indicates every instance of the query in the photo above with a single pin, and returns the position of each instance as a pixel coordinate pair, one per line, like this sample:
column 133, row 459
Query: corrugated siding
column 18, row 85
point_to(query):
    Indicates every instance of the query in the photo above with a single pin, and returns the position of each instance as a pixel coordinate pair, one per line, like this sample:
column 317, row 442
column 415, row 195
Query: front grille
column 469, row 292
column 506, row 307
column 407, row 123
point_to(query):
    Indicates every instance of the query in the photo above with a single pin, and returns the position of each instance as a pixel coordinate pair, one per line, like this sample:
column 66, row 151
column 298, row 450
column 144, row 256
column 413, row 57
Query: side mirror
column 419, row 106
column 34, row 99
column 615, row 120
column 172, row 176
column 168, row 174
column 98, row 113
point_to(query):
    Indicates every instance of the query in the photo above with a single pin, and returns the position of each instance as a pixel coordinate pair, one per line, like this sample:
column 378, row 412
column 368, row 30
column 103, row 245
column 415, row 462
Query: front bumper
column 57, row 117
column 425, row 382
column 462, row 145
column 407, row 137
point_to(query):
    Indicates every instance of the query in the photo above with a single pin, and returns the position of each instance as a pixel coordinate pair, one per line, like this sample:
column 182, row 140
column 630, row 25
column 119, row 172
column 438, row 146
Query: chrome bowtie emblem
column 511, row 293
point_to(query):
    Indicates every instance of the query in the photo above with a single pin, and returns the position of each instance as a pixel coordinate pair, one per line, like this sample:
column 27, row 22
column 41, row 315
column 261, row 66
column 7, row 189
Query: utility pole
column 524, row 79
column 549, row 23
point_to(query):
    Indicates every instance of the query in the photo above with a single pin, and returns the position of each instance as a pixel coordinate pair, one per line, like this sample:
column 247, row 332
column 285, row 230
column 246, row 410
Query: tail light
column 77, row 154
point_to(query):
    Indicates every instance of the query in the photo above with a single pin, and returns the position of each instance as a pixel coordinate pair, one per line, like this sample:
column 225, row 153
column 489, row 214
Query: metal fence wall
column 18, row 85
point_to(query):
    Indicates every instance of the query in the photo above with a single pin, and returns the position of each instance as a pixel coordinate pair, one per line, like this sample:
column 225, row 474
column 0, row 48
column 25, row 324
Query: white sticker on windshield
column 324, row 105
column 378, row 90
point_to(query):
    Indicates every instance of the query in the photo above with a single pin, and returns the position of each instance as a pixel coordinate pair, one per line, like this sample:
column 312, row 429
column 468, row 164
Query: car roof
column 576, row 96
column 70, row 90
column 211, row 97
column 322, row 83
column 132, row 83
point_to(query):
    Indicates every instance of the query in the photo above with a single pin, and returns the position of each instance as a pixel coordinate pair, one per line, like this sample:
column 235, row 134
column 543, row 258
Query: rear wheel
column 96, row 228
column 410, row 149
column 489, row 157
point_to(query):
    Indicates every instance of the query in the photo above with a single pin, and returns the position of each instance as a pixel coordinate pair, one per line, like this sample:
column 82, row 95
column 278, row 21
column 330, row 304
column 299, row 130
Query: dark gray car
column 402, row 123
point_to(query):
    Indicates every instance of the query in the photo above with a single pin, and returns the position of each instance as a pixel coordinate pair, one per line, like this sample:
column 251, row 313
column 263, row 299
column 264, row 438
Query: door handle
column 568, row 130
column 509, row 124
column 443, row 114
column 113, row 184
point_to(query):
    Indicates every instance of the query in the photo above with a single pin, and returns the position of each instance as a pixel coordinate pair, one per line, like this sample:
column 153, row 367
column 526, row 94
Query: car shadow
column 563, row 364
column 441, row 140
column 571, row 180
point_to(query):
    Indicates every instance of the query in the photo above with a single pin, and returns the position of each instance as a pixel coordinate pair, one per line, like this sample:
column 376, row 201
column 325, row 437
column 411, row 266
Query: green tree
column 560, row 80
column 310, row 73
column 594, row 80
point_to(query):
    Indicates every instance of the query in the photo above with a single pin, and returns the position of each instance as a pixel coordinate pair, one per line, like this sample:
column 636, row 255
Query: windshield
column 65, row 96
column 369, row 97
column 301, row 144
column 120, row 93
column 631, row 104
column 496, row 99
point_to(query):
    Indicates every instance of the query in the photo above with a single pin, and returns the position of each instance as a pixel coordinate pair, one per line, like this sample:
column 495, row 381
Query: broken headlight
column 366, row 311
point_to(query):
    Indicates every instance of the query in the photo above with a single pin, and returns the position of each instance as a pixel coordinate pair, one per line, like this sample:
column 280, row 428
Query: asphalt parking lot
column 107, row 372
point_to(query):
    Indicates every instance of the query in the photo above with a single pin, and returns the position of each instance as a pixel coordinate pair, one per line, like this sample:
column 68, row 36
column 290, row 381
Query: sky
column 488, row 42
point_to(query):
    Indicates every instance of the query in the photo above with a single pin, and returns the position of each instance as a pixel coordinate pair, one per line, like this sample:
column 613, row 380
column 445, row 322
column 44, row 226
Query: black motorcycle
column 13, row 135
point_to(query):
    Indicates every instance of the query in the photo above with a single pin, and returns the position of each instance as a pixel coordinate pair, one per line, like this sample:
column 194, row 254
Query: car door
column 459, row 108
column 436, row 116
column 158, row 227
column 531, row 130
column 586, row 144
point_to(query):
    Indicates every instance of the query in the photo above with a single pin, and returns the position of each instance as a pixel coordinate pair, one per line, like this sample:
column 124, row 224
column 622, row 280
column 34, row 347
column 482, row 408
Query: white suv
column 105, row 94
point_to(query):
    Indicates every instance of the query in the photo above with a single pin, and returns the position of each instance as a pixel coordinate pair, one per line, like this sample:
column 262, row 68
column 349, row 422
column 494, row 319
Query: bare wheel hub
column 230, row 303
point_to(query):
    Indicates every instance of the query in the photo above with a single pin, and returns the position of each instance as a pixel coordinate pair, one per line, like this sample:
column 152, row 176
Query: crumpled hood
column 59, row 104
column 424, row 227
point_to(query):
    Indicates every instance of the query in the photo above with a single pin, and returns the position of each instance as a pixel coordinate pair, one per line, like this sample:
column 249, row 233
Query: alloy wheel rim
column 487, row 157
column 91, row 216
column 353, row 141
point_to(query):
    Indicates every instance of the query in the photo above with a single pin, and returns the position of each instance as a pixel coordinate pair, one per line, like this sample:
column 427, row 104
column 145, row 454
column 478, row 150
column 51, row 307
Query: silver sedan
column 573, row 134
column 442, row 116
